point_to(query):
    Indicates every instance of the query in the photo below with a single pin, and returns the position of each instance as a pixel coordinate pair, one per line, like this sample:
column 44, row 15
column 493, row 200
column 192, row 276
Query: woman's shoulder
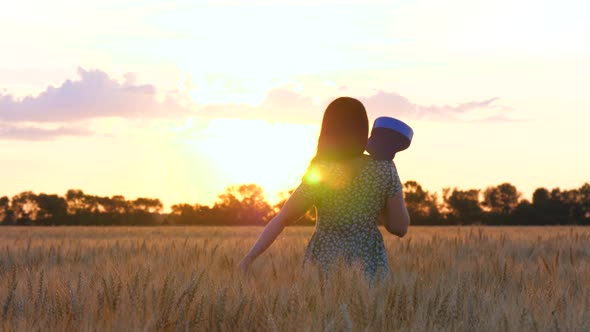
column 364, row 163
column 358, row 162
column 339, row 173
column 381, row 166
column 377, row 162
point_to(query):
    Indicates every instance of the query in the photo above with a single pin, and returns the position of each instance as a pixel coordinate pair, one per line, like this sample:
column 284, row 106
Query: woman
column 350, row 191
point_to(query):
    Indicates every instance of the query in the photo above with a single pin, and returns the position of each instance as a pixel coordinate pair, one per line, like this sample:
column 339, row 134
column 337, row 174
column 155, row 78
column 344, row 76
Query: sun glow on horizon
column 273, row 156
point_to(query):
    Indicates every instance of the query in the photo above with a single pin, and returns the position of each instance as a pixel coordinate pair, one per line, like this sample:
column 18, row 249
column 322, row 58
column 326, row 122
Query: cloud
column 285, row 105
column 279, row 105
column 392, row 104
column 94, row 95
column 32, row 133
column 499, row 119
column 70, row 107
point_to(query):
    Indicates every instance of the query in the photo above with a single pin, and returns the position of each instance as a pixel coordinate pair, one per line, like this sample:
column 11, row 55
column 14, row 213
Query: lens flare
column 313, row 176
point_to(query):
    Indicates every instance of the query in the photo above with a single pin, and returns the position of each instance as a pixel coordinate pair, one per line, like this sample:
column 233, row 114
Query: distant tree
column 114, row 205
column 76, row 201
column 143, row 211
column 422, row 206
column 541, row 198
column 24, row 207
column 584, row 192
column 84, row 209
column 196, row 214
column 501, row 199
column 463, row 205
column 147, row 205
column 92, row 204
column 5, row 212
column 558, row 207
column 243, row 205
column 52, row 208
column 545, row 209
column 182, row 209
column 524, row 213
column 571, row 204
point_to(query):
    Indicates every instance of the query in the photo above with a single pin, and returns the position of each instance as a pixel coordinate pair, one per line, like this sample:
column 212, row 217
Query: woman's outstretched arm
column 293, row 210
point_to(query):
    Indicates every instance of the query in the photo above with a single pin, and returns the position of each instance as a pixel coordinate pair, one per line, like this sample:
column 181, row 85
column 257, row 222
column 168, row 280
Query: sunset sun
column 271, row 155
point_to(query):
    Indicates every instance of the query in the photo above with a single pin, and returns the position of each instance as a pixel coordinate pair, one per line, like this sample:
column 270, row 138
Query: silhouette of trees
column 147, row 205
column 115, row 205
column 501, row 199
column 523, row 214
column 24, row 208
column 571, row 205
column 541, row 198
column 237, row 205
column 78, row 208
column 584, row 193
column 559, row 206
column 246, row 205
column 422, row 205
column 52, row 209
column 181, row 214
column 76, row 201
column 186, row 214
column 463, row 206
column 5, row 211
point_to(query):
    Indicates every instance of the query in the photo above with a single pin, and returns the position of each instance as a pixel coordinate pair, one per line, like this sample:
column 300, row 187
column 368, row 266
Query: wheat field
column 186, row 279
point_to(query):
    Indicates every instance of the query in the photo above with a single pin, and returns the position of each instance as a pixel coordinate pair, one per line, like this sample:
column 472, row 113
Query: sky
column 178, row 100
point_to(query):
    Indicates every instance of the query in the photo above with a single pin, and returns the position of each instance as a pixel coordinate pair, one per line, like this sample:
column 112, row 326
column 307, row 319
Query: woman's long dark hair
column 345, row 131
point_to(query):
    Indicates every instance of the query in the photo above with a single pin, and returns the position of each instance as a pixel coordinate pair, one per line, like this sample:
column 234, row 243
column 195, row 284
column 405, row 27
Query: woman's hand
column 245, row 263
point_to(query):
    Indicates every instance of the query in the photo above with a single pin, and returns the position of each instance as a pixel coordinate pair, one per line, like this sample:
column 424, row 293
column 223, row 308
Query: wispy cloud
column 284, row 105
column 33, row 133
column 279, row 105
column 392, row 104
column 70, row 107
column 94, row 95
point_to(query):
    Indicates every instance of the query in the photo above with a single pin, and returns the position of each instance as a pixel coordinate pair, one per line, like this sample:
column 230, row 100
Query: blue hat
column 388, row 136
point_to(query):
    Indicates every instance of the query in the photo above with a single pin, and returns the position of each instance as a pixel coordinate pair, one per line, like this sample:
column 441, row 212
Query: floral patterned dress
column 348, row 207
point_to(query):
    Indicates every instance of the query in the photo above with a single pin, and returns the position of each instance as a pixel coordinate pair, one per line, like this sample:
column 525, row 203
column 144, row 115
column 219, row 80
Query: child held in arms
column 388, row 137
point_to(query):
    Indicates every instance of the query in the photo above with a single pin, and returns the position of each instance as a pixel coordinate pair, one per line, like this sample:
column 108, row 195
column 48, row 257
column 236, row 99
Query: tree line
column 246, row 205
